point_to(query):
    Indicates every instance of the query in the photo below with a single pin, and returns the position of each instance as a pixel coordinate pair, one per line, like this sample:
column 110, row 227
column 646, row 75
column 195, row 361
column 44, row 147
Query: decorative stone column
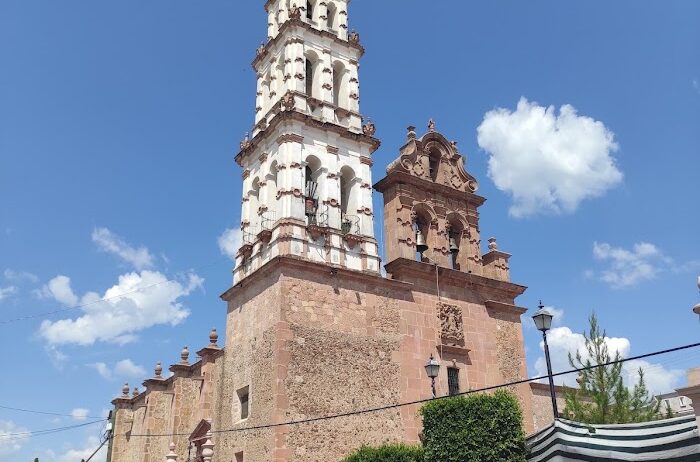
column 171, row 456
column 208, row 448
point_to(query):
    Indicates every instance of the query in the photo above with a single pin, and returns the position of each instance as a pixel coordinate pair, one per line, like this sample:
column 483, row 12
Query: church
column 325, row 318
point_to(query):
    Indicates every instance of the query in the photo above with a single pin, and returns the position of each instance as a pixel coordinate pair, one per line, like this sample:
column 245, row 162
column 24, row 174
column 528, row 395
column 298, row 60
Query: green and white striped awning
column 672, row 440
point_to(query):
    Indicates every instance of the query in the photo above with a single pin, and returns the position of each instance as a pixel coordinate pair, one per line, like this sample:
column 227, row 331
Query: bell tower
column 431, row 210
column 307, row 164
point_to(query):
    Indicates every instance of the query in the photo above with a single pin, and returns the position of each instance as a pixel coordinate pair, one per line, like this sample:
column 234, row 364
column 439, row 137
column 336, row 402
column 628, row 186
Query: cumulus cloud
column 548, row 162
column 140, row 258
column 6, row 292
column 125, row 368
column 59, row 289
column 12, row 437
column 627, row 268
column 563, row 341
column 79, row 413
column 138, row 301
column 230, row 242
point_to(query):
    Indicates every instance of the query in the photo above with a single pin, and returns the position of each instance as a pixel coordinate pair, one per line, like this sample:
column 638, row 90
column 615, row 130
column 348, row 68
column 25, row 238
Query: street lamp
column 432, row 368
column 543, row 322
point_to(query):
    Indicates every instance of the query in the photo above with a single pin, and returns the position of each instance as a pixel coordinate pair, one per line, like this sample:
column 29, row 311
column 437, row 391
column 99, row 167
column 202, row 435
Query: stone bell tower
column 307, row 167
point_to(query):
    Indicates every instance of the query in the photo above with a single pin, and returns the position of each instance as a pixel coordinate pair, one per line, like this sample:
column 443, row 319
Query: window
column 309, row 78
column 244, row 399
column 434, row 164
column 682, row 401
column 309, row 10
column 453, row 380
column 331, row 16
column 239, row 457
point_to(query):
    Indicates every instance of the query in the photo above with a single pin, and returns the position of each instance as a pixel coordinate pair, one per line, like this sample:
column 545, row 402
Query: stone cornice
column 507, row 307
column 265, row 51
column 294, row 265
column 401, row 266
column 425, row 185
column 284, row 116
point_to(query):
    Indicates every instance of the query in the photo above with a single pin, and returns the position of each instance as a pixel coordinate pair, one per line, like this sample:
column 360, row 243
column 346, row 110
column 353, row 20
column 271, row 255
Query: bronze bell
column 421, row 246
column 454, row 248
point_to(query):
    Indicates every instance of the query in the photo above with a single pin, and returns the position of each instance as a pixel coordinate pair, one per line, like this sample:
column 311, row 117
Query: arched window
column 348, row 201
column 312, row 188
column 339, row 84
column 266, row 93
column 454, row 240
column 272, row 185
column 309, row 78
column 332, row 11
column 254, row 205
column 309, row 10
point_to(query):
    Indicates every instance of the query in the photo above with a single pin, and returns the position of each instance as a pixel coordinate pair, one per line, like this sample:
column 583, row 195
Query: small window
column 239, row 457
column 682, row 400
column 309, row 11
column 243, row 399
column 453, row 380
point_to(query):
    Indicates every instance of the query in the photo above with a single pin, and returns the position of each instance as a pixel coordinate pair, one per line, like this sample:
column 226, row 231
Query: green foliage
column 474, row 428
column 603, row 397
column 388, row 453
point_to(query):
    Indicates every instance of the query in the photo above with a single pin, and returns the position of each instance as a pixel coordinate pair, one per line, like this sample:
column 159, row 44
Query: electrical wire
column 425, row 400
column 33, row 433
column 45, row 412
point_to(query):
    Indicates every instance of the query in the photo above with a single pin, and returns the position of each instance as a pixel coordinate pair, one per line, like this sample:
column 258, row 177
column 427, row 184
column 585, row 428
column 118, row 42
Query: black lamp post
column 432, row 368
column 543, row 322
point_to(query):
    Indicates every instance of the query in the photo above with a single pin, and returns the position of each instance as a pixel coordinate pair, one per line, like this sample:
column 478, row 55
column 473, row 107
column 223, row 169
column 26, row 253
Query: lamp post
column 432, row 368
column 543, row 322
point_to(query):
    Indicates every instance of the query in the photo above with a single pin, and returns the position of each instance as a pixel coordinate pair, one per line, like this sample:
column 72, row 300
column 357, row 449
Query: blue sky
column 119, row 122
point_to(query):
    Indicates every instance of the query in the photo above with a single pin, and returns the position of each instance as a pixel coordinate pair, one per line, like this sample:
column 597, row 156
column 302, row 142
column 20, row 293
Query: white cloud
column 79, row 413
column 563, row 341
column 627, row 268
column 20, row 276
column 138, row 301
column 12, row 438
column 230, row 242
column 102, row 369
column 126, row 368
column 6, row 292
column 109, row 242
column 73, row 455
column 59, row 289
column 548, row 162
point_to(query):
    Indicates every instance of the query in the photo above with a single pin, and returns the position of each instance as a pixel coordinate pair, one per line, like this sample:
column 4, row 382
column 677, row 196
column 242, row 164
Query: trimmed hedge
column 388, row 453
column 474, row 428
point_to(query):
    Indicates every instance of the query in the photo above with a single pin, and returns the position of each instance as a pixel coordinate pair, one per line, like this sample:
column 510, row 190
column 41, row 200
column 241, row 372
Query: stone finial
column 369, row 128
column 411, row 132
column 172, row 456
column 493, row 245
column 245, row 144
column 184, row 355
column 159, row 370
column 208, row 448
column 136, row 392
column 213, row 338
column 431, row 125
column 261, row 49
column 354, row 37
column 696, row 308
column 295, row 12
column 125, row 390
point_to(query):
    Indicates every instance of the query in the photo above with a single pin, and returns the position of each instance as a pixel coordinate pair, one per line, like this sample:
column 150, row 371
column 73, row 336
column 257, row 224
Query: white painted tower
column 307, row 166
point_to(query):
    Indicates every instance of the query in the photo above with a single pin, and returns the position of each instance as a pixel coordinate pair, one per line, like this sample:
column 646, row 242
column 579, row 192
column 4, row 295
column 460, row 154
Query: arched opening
column 434, row 163
column 309, row 78
column 309, row 10
column 339, row 84
column 266, row 93
column 254, row 205
column 272, row 185
column 312, row 173
column 347, row 191
column 454, row 241
column 332, row 11
column 421, row 227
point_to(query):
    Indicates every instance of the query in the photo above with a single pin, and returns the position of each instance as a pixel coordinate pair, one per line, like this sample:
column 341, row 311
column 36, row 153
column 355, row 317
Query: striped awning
column 671, row 439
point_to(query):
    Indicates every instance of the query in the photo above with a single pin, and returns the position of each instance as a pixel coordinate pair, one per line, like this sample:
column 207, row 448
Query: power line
column 426, row 400
column 33, row 433
column 107, row 438
column 46, row 412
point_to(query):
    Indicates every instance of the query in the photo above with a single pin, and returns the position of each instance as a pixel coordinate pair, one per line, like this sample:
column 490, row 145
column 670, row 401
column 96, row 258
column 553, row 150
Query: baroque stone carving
column 369, row 129
column 288, row 102
column 451, row 323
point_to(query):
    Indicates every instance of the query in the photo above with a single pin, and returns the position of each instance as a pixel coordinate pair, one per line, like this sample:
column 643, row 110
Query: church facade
column 313, row 327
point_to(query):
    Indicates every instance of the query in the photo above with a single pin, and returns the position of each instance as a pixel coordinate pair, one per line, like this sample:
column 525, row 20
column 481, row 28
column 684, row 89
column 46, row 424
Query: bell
column 454, row 248
column 421, row 246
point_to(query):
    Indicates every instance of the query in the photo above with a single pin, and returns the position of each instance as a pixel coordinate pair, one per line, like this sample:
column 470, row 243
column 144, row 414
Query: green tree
column 602, row 396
